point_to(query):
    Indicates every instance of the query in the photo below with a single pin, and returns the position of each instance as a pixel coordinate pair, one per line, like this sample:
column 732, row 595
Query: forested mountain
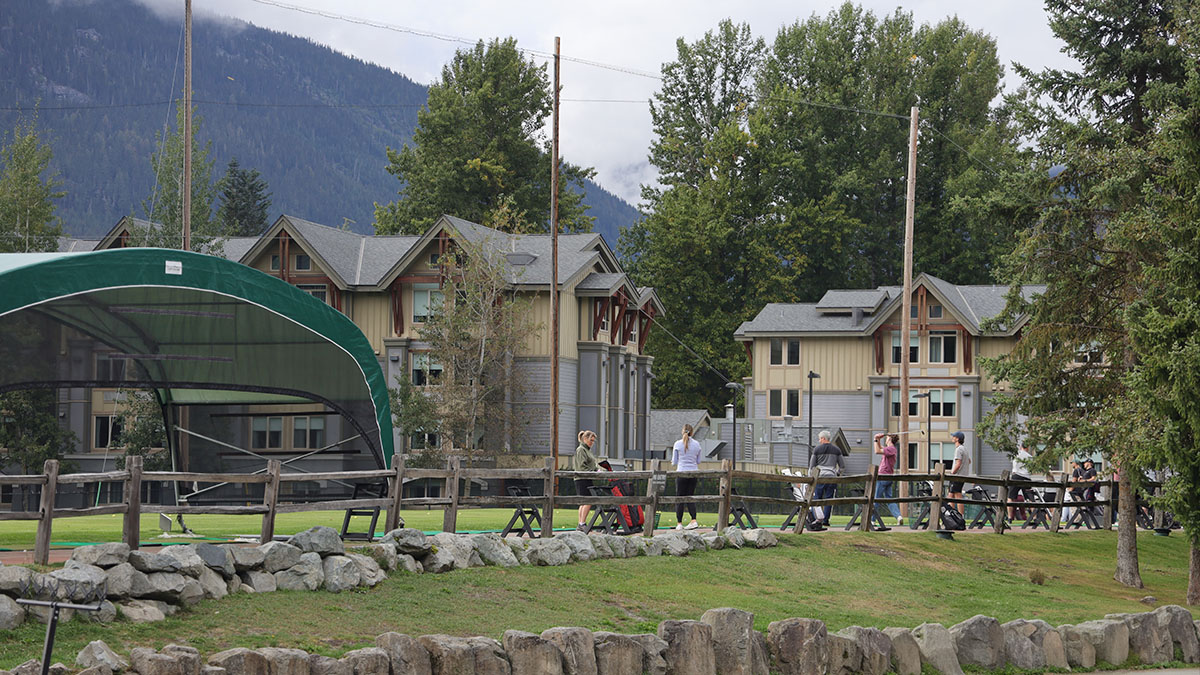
column 314, row 122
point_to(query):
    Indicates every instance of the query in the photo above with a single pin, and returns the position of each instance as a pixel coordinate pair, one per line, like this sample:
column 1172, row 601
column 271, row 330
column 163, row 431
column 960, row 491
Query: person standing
column 886, row 445
column 1020, row 473
column 685, row 455
column 584, row 460
column 826, row 460
column 962, row 467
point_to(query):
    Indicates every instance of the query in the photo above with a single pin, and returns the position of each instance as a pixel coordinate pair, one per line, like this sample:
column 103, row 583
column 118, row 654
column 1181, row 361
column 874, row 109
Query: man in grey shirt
column 826, row 460
column 962, row 467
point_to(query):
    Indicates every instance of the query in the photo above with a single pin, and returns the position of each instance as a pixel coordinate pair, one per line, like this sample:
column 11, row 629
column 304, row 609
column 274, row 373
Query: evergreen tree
column 164, row 207
column 478, row 142
column 28, row 189
column 244, row 202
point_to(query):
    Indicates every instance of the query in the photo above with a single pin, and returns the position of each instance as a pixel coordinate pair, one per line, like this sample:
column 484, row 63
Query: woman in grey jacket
column 584, row 460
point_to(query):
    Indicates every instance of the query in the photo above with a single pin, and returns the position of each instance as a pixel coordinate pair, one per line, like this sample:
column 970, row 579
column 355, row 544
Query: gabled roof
column 69, row 245
column 665, row 424
column 839, row 300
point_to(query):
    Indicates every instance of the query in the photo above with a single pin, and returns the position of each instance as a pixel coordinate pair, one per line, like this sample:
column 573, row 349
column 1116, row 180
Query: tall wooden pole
column 187, row 126
column 554, row 269
column 906, row 305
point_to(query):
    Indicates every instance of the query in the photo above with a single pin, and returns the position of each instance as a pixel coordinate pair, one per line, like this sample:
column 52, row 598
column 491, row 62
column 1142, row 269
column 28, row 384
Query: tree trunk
column 1127, row 553
column 1193, row 589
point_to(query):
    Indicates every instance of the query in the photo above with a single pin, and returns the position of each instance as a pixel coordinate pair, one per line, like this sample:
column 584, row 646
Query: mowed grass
column 876, row 579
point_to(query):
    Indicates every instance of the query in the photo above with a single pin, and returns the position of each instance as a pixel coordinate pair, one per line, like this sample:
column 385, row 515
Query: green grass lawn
column 877, row 579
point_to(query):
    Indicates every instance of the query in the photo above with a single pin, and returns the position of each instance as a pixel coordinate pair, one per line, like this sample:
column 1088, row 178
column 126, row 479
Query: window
column 793, row 352
column 426, row 297
column 274, row 262
column 308, row 432
column 914, row 348
column 913, row 402
column 106, row 431
column 425, row 371
column 776, row 352
column 318, row 291
column 266, row 432
column 109, row 369
column 941, row 453
column 423, row 441
column 912, row 456
column 912, row 311
column 1089, row 354
column 603, row 317
column 935, row 311
column 303, row 262
column 793, row 402
column 942, row 402
column 779, row 346
column 943, row 346
column 434, row 259
column 776, row 402
column 778, row 397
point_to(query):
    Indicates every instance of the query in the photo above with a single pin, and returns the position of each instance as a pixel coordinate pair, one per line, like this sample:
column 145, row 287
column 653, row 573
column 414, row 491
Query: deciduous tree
column 164, row 207
column 28, row 188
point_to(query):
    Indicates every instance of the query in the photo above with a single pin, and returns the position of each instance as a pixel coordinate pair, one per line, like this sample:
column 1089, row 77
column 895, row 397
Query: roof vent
column 520, row 259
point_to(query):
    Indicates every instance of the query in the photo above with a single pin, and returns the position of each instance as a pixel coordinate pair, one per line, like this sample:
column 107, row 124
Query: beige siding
column 569, row 331
column 372, row 313
column 991, row 348
column 844, row 364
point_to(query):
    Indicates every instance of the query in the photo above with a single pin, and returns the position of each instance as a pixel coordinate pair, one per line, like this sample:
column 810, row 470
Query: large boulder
column 341, row 573
column 306, row 575
column 81, row 583
column 872, row 650
column 322, row 540
column 600, row 545
column 259, row 582
column 213, row 584
column 384, row 555
column 1020, row 650
column 689, row 647
column 581, row 546
column 166, row 586
column 246, row 557
column 906, row 654
column 190, row 563
column 713, row 540
column 217, row 559
column 493, row 551
column 141, row 611
column 406, row 654
column 937, row 648
column 616, row 654
column 845, row 656
column 145, row 561
column 673, row 544
column 367, row 661
column 149, row 662
column 14, row 579
column 532, row 653
column 192, row 592
column 654, row 653
column 369, row 571
column 1109, row 638
column 734, row 537
column 694, row 541
column 102, row 555
column 241, row 661
column 319, row 664
column 1078, row 649
column 735, row 647
column 1180, row 624
column 125, row 581
column 409, row 541
column 451, row 552
column 96, row 653
column 979, row 641
column 11, row 614
column 799, row 646
column 578, row 647
column 760, row 538
column 407, row 563
column 621, row 547
column 1149, row 639
column 548, row 552
column 281, row 661
column 278, row 556
column 188, row 657
column 478, row 655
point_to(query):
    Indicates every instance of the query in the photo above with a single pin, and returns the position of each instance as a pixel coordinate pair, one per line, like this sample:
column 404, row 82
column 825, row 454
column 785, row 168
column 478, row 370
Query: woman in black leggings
column 686, row 457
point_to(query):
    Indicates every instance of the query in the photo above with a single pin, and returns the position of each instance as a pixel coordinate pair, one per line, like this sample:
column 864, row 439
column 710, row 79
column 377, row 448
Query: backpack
column 952, row 519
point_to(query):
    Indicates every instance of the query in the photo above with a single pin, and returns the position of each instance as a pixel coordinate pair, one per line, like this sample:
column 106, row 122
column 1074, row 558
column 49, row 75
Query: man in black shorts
column 962, row 467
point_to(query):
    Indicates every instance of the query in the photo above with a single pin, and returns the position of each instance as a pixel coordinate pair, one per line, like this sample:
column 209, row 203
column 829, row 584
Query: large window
column 941, row 453
column 914, row 348
column 793, row 402
column 106, row 431
column 308, row 432
column 782, row 349
column 784, row 402
column 318, row 291
column 425, row 370
column 943, row 347
column 935, row 311
column 426, row 298
column 775, row 398
column 266, row 433
column 303, row 262
column 423, row 441
column 913, row 402
column 109, row 369
column 943, row 402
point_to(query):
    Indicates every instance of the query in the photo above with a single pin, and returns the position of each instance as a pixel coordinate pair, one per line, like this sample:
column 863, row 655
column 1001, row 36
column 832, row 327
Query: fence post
column 935, row 514
column 393, row 516
column 803, row 518
column 869, row 493
column 1062, row 494
column 1109, row 493
column 270, row 500
column 657, row 480
column 450, row 515
column 41, row 547
column 133, row 501
column 726, row 490
column 548, row 491
column 1002, row 501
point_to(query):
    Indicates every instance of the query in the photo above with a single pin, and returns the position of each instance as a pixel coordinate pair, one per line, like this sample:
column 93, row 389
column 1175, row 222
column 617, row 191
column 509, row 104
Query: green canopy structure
column 196, row 329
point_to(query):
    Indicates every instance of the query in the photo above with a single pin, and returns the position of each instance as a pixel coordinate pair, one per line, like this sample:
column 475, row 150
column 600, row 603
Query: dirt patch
column 875, row 550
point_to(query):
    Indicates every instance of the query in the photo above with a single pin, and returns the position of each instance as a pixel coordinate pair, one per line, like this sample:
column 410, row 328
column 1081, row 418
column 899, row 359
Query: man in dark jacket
column 826, row 460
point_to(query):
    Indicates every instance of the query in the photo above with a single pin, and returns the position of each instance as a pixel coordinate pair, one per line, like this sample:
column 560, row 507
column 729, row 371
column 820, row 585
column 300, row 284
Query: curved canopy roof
column 199, row 329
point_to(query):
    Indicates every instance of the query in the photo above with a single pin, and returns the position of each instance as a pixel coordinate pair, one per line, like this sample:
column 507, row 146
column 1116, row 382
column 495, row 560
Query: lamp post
column 811, row 376
column 735, row 387
column 928, row 427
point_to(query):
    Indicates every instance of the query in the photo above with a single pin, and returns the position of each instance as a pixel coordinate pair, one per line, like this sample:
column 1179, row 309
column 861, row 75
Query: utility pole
column 906, row 305
column 554, row 270
column 187, row 125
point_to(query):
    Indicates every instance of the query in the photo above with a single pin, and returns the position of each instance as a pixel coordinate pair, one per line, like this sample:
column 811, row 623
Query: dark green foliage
column 143, row 430
column 163, row 208
column 29, row 430
column 244, row 202
column 28, row 192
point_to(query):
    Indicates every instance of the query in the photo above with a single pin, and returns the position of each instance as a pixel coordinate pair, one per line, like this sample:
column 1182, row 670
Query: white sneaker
column 679, row 526
column 899, row 521
column 692, row 525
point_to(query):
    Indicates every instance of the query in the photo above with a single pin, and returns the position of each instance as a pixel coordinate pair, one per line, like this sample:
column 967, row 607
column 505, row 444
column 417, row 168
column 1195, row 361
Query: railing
column 452, row 500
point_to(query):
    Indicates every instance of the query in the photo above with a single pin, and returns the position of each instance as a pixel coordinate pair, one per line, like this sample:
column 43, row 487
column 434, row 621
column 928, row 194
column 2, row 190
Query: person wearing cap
column 962, row 467
column 1020, row 472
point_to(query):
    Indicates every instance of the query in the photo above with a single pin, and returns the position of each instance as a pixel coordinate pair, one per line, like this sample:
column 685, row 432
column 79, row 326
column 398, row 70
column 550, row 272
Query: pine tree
column 28, row 188
column 244, row 202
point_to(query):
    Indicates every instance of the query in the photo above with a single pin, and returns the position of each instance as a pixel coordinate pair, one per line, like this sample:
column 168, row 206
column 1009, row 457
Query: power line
column 691, row 351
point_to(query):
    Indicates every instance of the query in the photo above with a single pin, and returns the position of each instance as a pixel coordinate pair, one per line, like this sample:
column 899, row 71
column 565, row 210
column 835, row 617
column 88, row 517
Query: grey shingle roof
column 779, row 317
column 603, row 282
column 848, row 299
column 70, row 245
column 236, row 247
column 665, row 424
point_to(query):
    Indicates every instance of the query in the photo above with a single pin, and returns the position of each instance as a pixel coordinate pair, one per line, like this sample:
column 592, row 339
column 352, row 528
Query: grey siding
column 991, row 463
column 532, row 434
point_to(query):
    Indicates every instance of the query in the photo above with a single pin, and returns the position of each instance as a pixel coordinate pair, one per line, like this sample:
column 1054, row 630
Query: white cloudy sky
column 640, row 36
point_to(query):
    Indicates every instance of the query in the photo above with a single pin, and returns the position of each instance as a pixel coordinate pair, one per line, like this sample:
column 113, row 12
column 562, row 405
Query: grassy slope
column 881, row 579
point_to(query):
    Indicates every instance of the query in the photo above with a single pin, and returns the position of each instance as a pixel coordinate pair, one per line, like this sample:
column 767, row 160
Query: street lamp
column 735, row 387
column 928, row 427
column 811, row 376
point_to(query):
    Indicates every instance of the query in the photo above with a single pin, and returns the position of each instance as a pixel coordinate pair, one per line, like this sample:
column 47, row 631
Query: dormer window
column 303, row 262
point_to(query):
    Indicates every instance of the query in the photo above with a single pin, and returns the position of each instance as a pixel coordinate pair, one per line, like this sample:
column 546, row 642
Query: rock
column 451, row 551
column 322, row 540
column 341, row 573
column 845, row 657
column 125, row 581
column 639, row 543
column 653, row 548
column 979, row 641
column 578, row 647
column 408, row 541
column 654, row 651
column 58, row 669
column 192, row 593
column 581, row 546
column 1019, row 648
column 1149, row 639
column 259, row 582
column 246, row 558
column 620, row 546
column 285, row 661
column 190, row 563
column 1180, row 625
column 1109, row 638
column 148, row 662
column 234, row 585
column 713, row 541
column 143, row 561
column 531, row 653
column 406, row 654
column 106, row 614
column 517, row 546
column 937, row 648
column 694, row 541
column 1078, row 649
column 102, row 555
column 799, row 646
column 734, row 646
column 213, row 670
column 369, row 572
column 217, row 559
column 83, row 583
column 493, row 551
column 616, row 654
column 1052, row 645
column 278, row 556
column 188, row 657
column 367, row 661
column 450, row 655
column 1149, row 600
column 324, row 665
column 306, row 575
column 874, row 649
column 30, row 667
column 734, row 537
column 240, row 661
column 602, row 549
column 906, row 655
column 96, row 653
column 548, row 552
column 407, row 563
column 140, row 611
column 384, row 555
column 11, row 614
column 213, row 584
column 14, row 579
column 760, row 538
column 94, row 670
column 689, row 647
column 673, row 544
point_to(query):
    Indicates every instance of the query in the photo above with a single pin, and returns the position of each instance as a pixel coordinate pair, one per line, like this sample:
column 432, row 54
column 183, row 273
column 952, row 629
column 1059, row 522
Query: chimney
column 857, row 314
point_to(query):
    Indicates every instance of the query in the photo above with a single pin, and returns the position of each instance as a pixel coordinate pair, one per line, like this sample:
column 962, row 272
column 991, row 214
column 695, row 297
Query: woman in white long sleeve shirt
column 686, row 457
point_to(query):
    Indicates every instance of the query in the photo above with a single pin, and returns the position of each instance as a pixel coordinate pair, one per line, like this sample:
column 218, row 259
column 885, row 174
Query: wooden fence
column 452, row 500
